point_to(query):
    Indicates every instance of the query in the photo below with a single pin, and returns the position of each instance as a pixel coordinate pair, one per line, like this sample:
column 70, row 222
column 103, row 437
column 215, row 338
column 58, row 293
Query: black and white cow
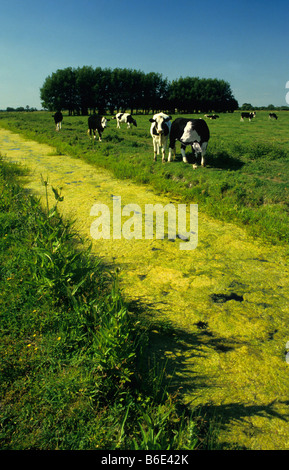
column 247, row 115
column 194, row 132
column 273, row 116
column 211, row 116
column 58, row 117
column 96, row 123
column 126, row 118
column 160, row 131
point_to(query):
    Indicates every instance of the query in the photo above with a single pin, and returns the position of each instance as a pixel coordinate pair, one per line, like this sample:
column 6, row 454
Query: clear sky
column 244, row 42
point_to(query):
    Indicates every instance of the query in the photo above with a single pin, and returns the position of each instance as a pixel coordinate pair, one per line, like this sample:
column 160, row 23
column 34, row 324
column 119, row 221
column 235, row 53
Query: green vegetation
column 74, row 357
column 245, row 181
column 75, row 367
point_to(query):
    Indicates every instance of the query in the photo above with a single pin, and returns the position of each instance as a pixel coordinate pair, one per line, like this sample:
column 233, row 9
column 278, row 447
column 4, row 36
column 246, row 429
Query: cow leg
column 183, row 152
column 204, row 148
column 117, row 124
column 156, row 148
column 163, row 154
column 163, row 145
column 170, row 153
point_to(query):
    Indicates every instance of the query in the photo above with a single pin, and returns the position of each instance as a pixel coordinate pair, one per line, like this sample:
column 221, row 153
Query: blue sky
column 243, row 42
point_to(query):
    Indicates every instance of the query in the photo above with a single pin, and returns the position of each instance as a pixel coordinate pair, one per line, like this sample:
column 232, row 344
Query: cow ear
column 152, row 120
column 168, row 118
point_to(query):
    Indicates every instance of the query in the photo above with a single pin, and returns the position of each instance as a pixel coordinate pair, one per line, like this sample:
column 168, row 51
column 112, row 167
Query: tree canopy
column 87, row 89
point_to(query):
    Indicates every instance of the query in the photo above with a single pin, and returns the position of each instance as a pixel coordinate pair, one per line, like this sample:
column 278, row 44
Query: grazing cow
column 211, row 116
column 96, row 123
column 58, row 117
column 160, row 130
column 124, row 117
column 194, row 132
column 247, row 115
column 273, row 116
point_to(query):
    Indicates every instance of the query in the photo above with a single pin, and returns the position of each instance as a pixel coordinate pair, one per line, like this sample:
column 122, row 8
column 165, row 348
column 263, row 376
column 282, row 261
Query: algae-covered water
column 228, row 298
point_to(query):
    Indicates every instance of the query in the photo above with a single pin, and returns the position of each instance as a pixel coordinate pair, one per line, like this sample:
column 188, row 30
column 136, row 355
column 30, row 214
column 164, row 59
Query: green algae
column 228, row 298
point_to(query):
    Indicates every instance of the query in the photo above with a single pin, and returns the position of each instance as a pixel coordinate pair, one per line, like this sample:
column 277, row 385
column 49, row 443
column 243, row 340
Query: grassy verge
column 74, row 370
column 245, row 182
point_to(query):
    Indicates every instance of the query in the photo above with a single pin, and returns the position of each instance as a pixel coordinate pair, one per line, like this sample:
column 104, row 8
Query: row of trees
column 270, row 107
column 88, row 89
column 20, row 109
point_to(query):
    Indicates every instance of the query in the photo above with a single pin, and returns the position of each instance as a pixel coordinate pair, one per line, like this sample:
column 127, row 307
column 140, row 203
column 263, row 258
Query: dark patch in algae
column 221, row 298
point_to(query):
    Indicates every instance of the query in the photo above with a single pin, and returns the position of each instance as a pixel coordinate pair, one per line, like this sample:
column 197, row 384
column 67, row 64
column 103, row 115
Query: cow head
column 196, row 148
column 104, row 122
column 134, row 122
column 160, row 121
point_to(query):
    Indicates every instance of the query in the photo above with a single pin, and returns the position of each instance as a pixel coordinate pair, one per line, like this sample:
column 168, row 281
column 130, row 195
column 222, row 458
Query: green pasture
column 245, row 181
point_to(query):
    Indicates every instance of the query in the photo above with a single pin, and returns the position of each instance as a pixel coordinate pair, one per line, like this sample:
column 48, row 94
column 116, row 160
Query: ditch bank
column 228, row 299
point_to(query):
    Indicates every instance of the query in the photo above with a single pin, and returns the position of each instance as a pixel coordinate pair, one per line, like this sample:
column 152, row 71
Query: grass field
column 245, row 181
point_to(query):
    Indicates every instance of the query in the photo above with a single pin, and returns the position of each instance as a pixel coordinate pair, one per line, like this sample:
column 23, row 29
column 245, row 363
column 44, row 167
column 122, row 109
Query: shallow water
column 228, row 298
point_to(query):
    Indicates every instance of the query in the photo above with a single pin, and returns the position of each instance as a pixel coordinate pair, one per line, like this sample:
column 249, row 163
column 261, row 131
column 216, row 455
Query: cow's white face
column 103, row 122
column 159, row 120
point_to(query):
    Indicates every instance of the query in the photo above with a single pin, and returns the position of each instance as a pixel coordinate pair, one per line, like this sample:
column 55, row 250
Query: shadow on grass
column 170, row 349
column 224, row 161
column 218, row 160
